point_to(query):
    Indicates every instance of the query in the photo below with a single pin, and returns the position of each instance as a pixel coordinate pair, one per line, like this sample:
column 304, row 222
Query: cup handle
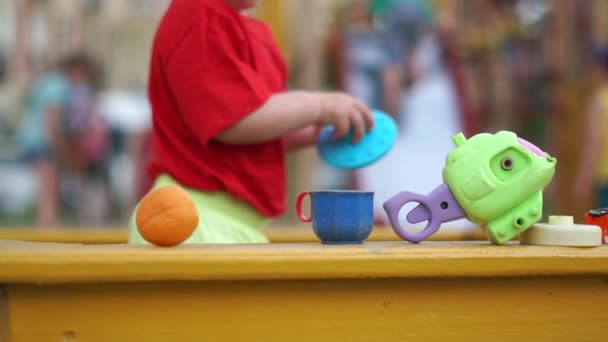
column 299, row 207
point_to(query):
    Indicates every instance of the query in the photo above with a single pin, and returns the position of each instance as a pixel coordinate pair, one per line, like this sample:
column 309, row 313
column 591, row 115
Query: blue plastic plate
column 344, row 154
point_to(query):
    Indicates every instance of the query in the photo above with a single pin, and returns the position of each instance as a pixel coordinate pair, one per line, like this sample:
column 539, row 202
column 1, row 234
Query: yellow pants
column 222, row 218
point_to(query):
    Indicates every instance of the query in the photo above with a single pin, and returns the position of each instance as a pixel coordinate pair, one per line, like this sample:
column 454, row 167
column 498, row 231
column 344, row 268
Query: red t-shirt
column 212, row 66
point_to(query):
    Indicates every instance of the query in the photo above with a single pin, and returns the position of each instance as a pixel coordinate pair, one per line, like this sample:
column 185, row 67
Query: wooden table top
column 39, row 262
column 95, row 235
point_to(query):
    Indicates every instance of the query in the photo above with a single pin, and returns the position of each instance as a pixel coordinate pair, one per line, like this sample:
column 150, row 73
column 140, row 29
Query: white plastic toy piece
column 561, row 231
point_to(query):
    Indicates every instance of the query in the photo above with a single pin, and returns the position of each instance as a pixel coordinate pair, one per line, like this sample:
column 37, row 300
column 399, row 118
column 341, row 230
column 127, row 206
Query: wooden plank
column 30, row 262
column 274, row 234
column 464, row 309
column 67, row 235
column 379, row 233
column 5, row 322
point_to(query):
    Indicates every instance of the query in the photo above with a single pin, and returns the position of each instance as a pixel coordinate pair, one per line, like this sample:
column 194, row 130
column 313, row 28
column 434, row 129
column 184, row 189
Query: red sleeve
column 213, row 85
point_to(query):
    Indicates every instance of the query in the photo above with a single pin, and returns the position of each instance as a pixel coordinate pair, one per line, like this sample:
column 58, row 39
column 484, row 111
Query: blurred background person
column 367, row 64
column 87, row 133
column 40, row 141
column 367, row 57
column 592, row 177
column 429, row 117
column 61, row 131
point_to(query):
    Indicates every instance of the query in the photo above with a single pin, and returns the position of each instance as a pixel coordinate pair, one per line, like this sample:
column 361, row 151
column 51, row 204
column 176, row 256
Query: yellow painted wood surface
column 274, row 234
column 22, row 262
column 462, row 309
column 380, row 233
column 66, row 235
column 5, row 322
column 378, row 291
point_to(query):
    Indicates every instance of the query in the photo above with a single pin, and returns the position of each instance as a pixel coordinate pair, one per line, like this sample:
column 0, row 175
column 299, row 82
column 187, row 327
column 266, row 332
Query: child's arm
column 288, row 112
column 221, row 97
column 303, row 138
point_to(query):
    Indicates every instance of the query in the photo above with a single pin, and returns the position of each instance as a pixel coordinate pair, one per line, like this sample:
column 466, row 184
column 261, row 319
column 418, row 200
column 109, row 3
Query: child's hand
column 345, row 112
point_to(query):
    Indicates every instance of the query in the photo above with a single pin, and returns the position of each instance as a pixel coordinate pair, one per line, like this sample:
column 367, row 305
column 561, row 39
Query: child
column 593, row 169
column 222, row 120
column 38, row 137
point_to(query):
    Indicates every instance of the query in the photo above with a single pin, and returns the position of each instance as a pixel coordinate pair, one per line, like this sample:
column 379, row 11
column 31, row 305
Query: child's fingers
column 358, row 124
column 341, row 126
column 368, row 117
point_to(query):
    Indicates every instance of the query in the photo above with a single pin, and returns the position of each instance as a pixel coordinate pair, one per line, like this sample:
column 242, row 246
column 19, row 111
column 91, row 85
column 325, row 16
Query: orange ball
column 167, row 216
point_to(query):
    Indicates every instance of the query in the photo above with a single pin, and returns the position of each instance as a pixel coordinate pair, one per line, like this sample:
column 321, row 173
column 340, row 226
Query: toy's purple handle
column 392, row 207
column 437, row 207
column 530, row 146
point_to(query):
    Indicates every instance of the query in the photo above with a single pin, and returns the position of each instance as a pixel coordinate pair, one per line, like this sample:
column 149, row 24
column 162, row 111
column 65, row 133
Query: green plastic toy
column 494, row 180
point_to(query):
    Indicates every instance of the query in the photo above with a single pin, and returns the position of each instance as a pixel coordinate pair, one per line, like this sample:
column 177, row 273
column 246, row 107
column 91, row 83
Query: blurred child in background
column 368, row 65
column 44, row 105
column 84, row 129
column 592, row 176
column 61, row 131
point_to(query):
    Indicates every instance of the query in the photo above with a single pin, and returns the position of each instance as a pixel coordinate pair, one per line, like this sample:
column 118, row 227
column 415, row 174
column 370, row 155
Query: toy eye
column 506, row 163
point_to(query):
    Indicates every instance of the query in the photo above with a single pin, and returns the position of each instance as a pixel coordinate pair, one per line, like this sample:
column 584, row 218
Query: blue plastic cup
column 339, row 216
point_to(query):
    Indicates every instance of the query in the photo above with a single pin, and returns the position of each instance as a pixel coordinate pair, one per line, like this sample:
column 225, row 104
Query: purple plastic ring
column 393, row 206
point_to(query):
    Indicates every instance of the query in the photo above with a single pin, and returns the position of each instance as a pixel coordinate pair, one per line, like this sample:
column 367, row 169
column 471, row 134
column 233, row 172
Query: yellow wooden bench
column 378, row 291
column 275, row 234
